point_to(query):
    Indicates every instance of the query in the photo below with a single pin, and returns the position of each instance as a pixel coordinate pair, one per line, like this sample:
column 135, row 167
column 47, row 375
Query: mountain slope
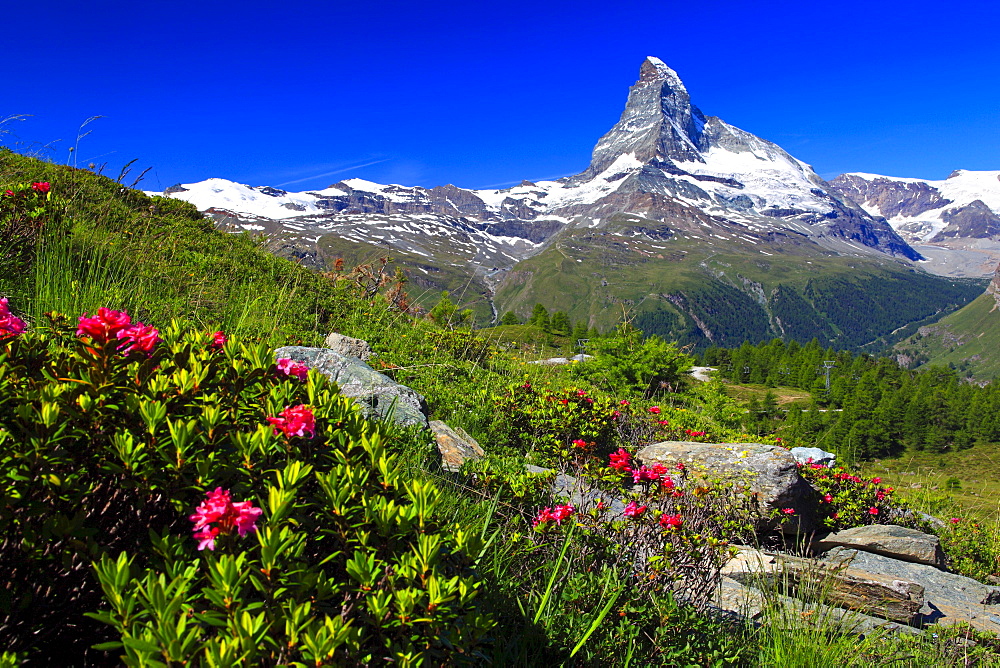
column 666, row 182
column 968, row 339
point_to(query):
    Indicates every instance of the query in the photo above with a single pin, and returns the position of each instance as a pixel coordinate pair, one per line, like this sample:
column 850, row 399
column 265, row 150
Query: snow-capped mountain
column 966, row 205
column 665, row 162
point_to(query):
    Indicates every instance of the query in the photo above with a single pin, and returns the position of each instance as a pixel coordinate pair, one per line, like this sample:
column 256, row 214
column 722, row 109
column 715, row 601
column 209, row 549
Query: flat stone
column 949, row 598
column 738, row 600
column 888, row 540
column 769, row 471
column 456, row 446
column 886, row 596
column 749, row 561
column 349, row 347
column 379, row 396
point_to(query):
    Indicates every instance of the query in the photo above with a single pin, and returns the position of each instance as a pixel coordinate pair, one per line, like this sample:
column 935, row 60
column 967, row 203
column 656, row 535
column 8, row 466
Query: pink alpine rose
column 295, row 421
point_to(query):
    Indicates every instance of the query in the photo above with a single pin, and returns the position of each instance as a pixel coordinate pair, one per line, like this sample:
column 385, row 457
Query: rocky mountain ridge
column 664, row 160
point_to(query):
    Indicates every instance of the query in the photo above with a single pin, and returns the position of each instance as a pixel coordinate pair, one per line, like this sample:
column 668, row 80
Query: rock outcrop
column 378, row 395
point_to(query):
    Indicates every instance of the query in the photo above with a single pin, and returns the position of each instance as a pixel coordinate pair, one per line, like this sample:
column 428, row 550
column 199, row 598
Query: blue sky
column 485, row 94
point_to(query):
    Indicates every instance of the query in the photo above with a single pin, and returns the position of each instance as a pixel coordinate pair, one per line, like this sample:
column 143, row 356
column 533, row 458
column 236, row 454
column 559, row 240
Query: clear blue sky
column 306, row 93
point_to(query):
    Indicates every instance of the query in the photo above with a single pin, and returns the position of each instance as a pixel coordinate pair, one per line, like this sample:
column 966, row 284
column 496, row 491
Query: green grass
column 968, row 340
column 160, row 260
column 964, row 483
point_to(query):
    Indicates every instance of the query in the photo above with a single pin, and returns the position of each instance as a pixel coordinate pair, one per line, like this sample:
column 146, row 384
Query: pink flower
column 644, row 474
column 579, row 443
column 828, row 498
column 206, row 537
column 42, row 187
column 655, row 410
column 557, row 514
column 788, row 511
column 615, row 415
column 623, row 402
column 293, row 369
column 10, row 324
column 634, row 510
column 295, row 421
column 620, row 460
column 218, row 508
column 873, row 511
column 671, row 521
column 139, row 337
column 218, row 340
column 955, row 520
column 526, row 386
column 663, row 423
column 581, row 393
column 103, row 327
column 668, row 483
column 876, row 480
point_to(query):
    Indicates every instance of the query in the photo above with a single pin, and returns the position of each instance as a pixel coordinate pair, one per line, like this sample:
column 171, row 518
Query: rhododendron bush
column 176, row 497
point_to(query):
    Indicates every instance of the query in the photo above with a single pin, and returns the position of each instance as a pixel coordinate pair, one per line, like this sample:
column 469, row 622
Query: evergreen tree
column 559, row 324
column 510, row 319
column 539, row 317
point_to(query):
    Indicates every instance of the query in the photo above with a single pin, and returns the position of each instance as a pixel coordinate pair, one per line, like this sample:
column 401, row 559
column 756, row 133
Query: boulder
column 769, row 471
column 888, row 540
column 349, row 347
column 738, row 600
column 378, row 395
column 949, row 598
column 813, row 456
column 456, row 446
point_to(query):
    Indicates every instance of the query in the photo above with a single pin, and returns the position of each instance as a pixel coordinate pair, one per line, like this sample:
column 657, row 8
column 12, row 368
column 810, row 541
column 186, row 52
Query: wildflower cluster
column 848, row 499
column 295, row 421
column 556, row 514
column 293, row 369
column 108, row 326
column 227, row 516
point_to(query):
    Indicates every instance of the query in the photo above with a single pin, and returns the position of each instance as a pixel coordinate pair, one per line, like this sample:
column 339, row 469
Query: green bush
column 106, row 454
column 626, row 362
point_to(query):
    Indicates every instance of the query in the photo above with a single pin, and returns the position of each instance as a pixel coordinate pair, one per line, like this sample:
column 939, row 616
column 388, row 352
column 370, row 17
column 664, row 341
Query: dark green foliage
column 625, row 362
column 106, row 455
column 560, row 324
column 510, row 319
column 539, row 317
column 877, row 407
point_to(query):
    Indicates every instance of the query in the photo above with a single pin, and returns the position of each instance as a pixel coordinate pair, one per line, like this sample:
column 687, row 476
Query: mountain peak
column 654, row 69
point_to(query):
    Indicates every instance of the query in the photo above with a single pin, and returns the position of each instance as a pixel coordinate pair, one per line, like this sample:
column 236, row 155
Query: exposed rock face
column 966, row 205
column 345, row 345
column 888, row 540
column 769, row 471
column 455, row 446
column 949, row 598
column 378, row 395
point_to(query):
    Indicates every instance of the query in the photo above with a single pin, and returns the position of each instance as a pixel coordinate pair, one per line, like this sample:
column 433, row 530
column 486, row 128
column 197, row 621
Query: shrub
column 108, row 449
column 849, row 500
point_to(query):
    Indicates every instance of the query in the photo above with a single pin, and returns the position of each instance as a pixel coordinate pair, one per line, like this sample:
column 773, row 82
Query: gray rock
column 555, row 361
column 950, row 598
column 345, row 345
column 578, row 492
column 456, row 446
column 769, row 471
column 813, row 456
column 888, row 540
column 378, row 395
column 738, row 600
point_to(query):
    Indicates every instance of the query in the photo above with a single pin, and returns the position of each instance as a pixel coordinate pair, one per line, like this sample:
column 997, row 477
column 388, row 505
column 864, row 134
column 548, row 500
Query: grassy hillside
column 365, row 549
column 725, row 293
column 967, row 340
